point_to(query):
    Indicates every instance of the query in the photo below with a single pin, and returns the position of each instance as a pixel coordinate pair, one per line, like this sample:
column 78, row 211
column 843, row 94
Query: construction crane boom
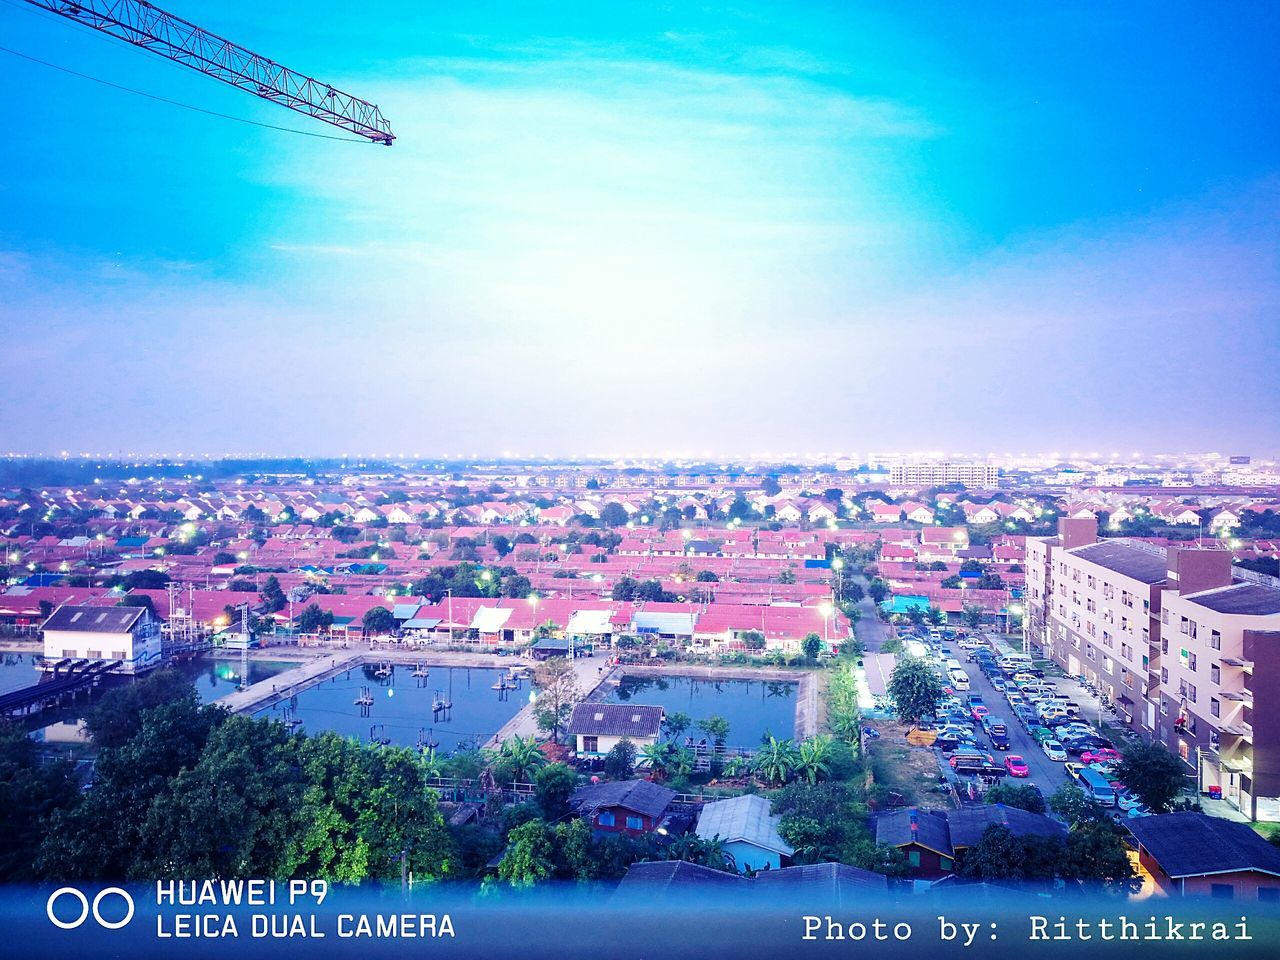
column 151, row 28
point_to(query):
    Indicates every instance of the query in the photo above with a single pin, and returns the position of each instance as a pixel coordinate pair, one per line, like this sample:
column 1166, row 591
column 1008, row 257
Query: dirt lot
column 903, row 769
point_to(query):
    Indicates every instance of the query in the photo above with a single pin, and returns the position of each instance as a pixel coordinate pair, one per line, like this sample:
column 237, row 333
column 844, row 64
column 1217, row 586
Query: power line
column 178, row 103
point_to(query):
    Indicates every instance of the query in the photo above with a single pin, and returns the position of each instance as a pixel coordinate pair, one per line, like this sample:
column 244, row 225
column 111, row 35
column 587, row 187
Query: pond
column 752, row 707
column 212, row 679
column 401, row 707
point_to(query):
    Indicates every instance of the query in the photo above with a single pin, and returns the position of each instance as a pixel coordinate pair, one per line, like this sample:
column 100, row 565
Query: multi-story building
column 1222, row 693
column 918, row 473
column 1178, row 646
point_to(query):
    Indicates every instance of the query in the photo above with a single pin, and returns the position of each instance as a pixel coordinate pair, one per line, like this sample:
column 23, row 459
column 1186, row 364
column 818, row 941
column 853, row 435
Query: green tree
column 915, row 689
column 972, row 615
column 529, row 855
column 1075, row 806
column 31, row 793
column 553, row 784
column 812, row 646
column 620, row 762
column 717, row 728
column 378, row 621
column 1096, row 854
column 517, row 759
column 996, row 856
column 1152, row 772
column 613, row 515
column 1020, row 795
column 272, row 596
column 557, row 693
column 313, row 619
column 657, row 757
column 677, row 723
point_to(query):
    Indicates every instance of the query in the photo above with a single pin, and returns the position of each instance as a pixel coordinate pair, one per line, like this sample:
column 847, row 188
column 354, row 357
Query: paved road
column 590, row 671
column 870, row 629
column 1046, row 774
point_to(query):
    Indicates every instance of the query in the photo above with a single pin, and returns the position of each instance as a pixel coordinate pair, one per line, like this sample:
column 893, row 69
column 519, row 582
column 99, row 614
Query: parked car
column 1101, row 755
column 1053, row 750
column 1073, row 769
column 1083, row 745
column 1140, row 811
column 979, row 712
column 1128, row 801
column 1017, row 767
column 972, row 762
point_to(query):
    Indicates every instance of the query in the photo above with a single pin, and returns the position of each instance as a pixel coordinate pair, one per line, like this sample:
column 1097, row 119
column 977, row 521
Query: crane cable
column 179, row 103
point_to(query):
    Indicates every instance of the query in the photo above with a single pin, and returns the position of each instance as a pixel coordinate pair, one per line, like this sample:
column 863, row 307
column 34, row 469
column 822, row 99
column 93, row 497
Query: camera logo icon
column 87, row 907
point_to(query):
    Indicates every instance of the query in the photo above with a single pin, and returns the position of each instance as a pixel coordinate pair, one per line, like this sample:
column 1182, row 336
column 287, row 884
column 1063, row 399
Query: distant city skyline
column 713, row 231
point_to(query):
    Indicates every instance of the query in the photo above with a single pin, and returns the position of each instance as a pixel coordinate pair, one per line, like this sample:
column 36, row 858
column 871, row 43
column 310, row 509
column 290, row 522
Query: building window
column 913, row 857
column 590, row 744
column 1191, row 692
column 605, row 819
column 1215, row 708
column 945, row 863
column 1164, row 674
column 1215, row 673
column 635, row 823
column 1222, row 891
column 1269, row 894
column 1215, row 639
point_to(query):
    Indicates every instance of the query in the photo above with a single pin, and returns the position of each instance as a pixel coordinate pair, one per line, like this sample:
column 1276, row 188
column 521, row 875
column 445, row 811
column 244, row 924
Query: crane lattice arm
column 162, row 33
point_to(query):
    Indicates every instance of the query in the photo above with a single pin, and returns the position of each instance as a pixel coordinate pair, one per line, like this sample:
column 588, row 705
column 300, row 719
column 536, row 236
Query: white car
column 1054, row 751
column 1128, row 801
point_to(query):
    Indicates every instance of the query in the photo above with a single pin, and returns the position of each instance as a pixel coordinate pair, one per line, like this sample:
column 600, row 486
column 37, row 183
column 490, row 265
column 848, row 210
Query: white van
column 959, row 679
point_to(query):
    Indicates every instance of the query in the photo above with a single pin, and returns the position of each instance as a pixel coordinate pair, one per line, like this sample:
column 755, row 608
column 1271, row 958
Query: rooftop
column 1247, row 599
column 748, row 818
column 615, row 720
column 1125, row 559
column 94, row 619
column 639, row 796
column 1195, row 845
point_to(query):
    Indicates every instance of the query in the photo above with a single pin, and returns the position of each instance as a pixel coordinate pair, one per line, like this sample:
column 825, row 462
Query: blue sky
column 680, row 228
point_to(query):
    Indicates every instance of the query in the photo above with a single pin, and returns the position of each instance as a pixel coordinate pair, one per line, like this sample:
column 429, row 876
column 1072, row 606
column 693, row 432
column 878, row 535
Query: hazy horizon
column 714, row 231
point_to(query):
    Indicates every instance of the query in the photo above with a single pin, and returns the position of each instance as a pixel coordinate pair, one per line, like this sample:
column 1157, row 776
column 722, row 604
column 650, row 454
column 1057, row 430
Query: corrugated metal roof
column 747, row 818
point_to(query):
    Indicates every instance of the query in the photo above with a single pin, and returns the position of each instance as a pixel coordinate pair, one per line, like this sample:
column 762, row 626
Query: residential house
column 748, row 830
column 1185, row 854
column 631, row 807
column 599, row 727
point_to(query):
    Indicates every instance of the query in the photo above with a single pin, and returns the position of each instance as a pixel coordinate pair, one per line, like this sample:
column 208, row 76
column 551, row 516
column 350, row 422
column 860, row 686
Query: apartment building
column 916, row 473
column 1223, row 646
column 1094, row 607
column 1038, row 564
column 1179, row 647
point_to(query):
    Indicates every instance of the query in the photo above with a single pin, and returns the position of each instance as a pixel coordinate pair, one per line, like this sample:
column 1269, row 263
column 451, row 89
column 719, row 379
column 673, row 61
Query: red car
column 979, row 712
column 1017, row 767
column 1105, row 755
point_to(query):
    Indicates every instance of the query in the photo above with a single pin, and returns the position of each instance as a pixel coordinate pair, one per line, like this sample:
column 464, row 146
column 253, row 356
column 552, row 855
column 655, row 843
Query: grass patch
column 899, row 768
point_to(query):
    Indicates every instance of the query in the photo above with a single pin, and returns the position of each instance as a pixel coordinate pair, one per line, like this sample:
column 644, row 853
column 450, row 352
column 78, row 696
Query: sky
column 651, row 229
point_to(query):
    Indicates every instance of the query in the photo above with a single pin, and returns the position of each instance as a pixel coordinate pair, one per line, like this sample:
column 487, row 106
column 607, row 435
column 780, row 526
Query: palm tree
column 813, row 760
column 657, row 756
column 520, row 757
column 775, row 761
